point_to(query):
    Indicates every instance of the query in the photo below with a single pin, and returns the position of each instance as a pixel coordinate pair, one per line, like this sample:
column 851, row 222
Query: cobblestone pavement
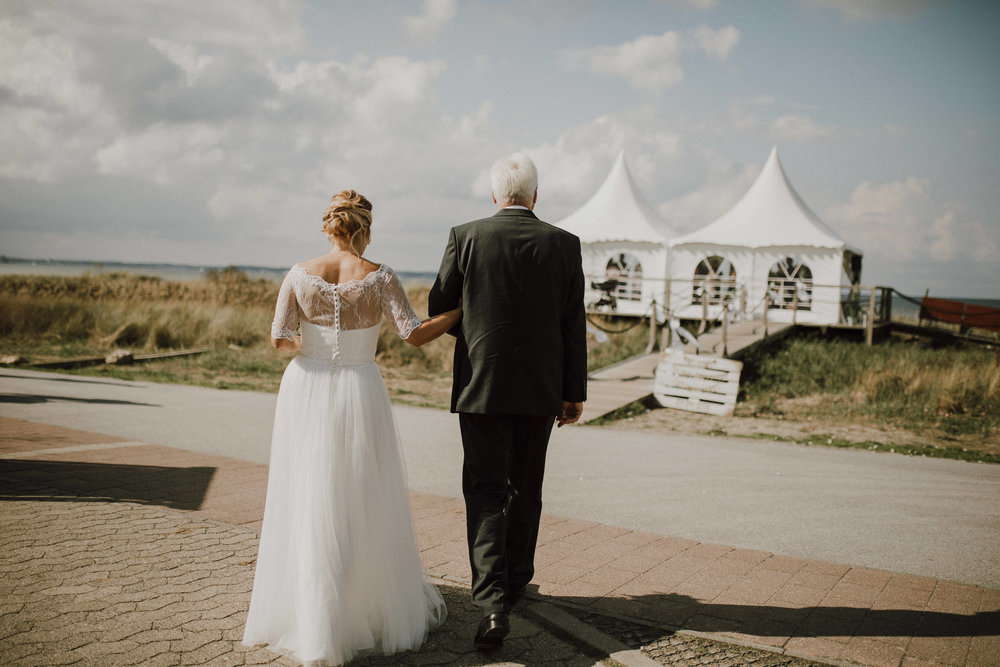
column 117, row 583
column 118, row 552
column 682, row 649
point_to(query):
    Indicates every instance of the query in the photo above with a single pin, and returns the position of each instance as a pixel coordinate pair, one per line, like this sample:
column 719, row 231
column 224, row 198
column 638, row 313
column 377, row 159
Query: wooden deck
column 616, row 386
column 741, row 338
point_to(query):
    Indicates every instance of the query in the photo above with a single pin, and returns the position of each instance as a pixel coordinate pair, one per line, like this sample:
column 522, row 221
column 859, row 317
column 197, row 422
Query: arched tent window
column 627, row 270
column 789, row 284
column 715, row 279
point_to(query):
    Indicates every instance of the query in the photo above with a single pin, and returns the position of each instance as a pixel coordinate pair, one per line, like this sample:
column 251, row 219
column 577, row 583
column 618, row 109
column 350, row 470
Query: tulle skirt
column 338, row 571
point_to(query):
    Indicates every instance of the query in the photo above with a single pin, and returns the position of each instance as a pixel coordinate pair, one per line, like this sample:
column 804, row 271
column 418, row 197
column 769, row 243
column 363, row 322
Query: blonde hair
column 347, row 220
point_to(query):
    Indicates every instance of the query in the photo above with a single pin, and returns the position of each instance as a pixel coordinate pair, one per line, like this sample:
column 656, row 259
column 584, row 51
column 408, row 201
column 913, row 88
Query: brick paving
column 117, row 552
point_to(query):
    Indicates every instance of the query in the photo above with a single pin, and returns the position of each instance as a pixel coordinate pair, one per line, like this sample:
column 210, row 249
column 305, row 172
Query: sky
column 215, row 133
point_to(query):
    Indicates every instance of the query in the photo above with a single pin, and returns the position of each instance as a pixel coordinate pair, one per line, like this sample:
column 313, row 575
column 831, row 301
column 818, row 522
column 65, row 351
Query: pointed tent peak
column 770, row 213
column 618, row 212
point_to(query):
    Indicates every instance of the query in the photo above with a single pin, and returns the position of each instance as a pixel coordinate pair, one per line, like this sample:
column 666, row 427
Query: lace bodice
column 345, row 306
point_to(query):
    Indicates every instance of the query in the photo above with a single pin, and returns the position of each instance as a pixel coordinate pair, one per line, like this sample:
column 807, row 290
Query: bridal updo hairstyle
column 348, row 221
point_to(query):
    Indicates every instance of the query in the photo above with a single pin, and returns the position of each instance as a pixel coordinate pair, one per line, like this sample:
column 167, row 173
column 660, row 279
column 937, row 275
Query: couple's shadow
column 672, row 611
column 539, row 629
column 54, row 481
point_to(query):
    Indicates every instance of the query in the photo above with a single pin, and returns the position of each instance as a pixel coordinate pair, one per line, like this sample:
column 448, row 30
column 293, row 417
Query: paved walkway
column 934, row 518
column 120, row 552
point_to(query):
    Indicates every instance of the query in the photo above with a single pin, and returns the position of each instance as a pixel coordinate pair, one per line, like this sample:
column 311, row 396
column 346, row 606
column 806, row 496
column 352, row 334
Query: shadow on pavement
column 35, row 479
column 118, row 383
column 675, row 611
column 451, row 644
column 31, row 399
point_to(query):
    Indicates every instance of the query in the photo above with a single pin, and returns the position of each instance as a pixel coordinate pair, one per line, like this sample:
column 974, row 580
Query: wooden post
column 704, row 308
column 725, row 330
column 767, row 306
column 795, row 303
column 870, row 324
column 666, row 337
column 653, row 338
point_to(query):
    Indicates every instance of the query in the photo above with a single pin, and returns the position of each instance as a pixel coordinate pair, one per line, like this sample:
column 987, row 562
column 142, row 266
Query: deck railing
column 712, row 302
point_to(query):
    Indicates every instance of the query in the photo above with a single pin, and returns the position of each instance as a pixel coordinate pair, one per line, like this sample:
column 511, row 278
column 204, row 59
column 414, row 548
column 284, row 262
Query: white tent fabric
column 771, row 213
column 770, row 227
column 622, row 237
column 618, row 212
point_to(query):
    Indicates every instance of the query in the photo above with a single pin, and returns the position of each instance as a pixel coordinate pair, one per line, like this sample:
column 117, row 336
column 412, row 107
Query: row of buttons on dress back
column 335, row 357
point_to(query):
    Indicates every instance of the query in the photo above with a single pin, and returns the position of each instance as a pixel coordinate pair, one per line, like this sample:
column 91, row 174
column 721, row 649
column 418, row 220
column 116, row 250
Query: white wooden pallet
column 697, row 383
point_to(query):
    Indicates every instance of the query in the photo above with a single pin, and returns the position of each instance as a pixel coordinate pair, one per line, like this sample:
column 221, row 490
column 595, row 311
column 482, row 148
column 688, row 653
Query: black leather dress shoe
column 492, row 630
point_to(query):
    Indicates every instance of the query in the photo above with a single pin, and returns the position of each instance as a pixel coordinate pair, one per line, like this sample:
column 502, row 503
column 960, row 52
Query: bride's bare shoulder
column 335, row 268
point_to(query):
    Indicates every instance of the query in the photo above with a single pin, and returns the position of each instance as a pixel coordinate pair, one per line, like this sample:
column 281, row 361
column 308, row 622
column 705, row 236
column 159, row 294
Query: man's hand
column 570, row 414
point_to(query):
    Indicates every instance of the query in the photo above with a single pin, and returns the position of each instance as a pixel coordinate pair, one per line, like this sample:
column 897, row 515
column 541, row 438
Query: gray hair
column 514, row 180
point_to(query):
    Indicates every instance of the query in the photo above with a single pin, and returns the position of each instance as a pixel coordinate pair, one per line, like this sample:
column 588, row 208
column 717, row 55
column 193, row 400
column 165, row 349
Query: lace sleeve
column 286, row 311
column 396, row 307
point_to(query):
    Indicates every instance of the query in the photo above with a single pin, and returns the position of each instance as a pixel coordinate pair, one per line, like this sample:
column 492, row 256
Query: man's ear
column 535, row 200
column 494, row 197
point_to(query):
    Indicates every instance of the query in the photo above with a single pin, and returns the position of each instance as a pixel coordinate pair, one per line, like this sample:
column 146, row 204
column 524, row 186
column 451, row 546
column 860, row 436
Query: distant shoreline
column 178, row 272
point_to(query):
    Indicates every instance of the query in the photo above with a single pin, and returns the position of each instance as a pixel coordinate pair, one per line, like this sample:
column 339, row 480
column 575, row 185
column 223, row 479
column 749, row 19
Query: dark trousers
column 502, row 484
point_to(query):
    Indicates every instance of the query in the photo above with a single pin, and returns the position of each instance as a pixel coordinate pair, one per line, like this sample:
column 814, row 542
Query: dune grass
column 954, row 390
column 45, row 318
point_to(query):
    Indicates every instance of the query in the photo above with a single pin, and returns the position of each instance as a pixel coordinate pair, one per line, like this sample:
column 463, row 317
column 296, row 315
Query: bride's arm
column 286, row 317
column 285, row 344
column 397, row 309
column 433, row 327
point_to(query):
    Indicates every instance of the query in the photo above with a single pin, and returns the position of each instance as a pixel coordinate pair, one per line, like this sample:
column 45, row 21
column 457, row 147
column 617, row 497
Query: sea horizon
column 164, row 270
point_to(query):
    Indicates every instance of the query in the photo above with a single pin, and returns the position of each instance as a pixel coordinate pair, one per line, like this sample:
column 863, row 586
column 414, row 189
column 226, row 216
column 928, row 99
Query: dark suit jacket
column 521, row 346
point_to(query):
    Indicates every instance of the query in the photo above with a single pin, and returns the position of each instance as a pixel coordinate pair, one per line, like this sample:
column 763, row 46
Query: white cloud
column 905, row 231
column 652, row 63
column 247, row 135
column 163, row 153
column 868, row 10
column 574, row 164
column 185, row 56
column 717, row 44
column 435, row 16
column 720, row 192
column 895, row 131
column 702, row 4
column 942, row 238
column 792, row 127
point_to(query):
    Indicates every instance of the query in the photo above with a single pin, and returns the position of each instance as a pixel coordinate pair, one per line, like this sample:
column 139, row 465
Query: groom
column 520, row 364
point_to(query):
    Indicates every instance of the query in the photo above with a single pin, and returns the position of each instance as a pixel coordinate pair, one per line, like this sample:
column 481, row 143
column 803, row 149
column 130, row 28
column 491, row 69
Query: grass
column 955, row 390
column 621, row 346
column 46, row 318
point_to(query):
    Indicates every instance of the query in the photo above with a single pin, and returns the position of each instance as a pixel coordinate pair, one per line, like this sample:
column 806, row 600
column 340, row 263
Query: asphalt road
column 932, row 517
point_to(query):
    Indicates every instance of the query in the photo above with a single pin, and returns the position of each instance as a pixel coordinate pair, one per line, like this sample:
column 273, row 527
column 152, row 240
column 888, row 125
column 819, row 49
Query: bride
column 338, row 571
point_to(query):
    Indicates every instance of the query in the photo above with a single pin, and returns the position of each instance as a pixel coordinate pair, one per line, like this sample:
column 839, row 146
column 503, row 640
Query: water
column 177, row 272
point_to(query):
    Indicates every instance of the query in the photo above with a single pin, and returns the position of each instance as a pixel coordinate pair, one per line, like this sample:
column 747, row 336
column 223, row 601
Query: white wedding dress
column 338, row 571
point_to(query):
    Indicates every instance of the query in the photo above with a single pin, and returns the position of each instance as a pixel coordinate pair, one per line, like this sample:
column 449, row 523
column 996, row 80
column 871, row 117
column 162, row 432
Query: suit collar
column 515, row 212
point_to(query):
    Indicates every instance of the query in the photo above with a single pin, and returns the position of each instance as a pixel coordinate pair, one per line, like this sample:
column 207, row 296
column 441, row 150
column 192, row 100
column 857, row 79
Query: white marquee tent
column 623, row 237
column 769, row 242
